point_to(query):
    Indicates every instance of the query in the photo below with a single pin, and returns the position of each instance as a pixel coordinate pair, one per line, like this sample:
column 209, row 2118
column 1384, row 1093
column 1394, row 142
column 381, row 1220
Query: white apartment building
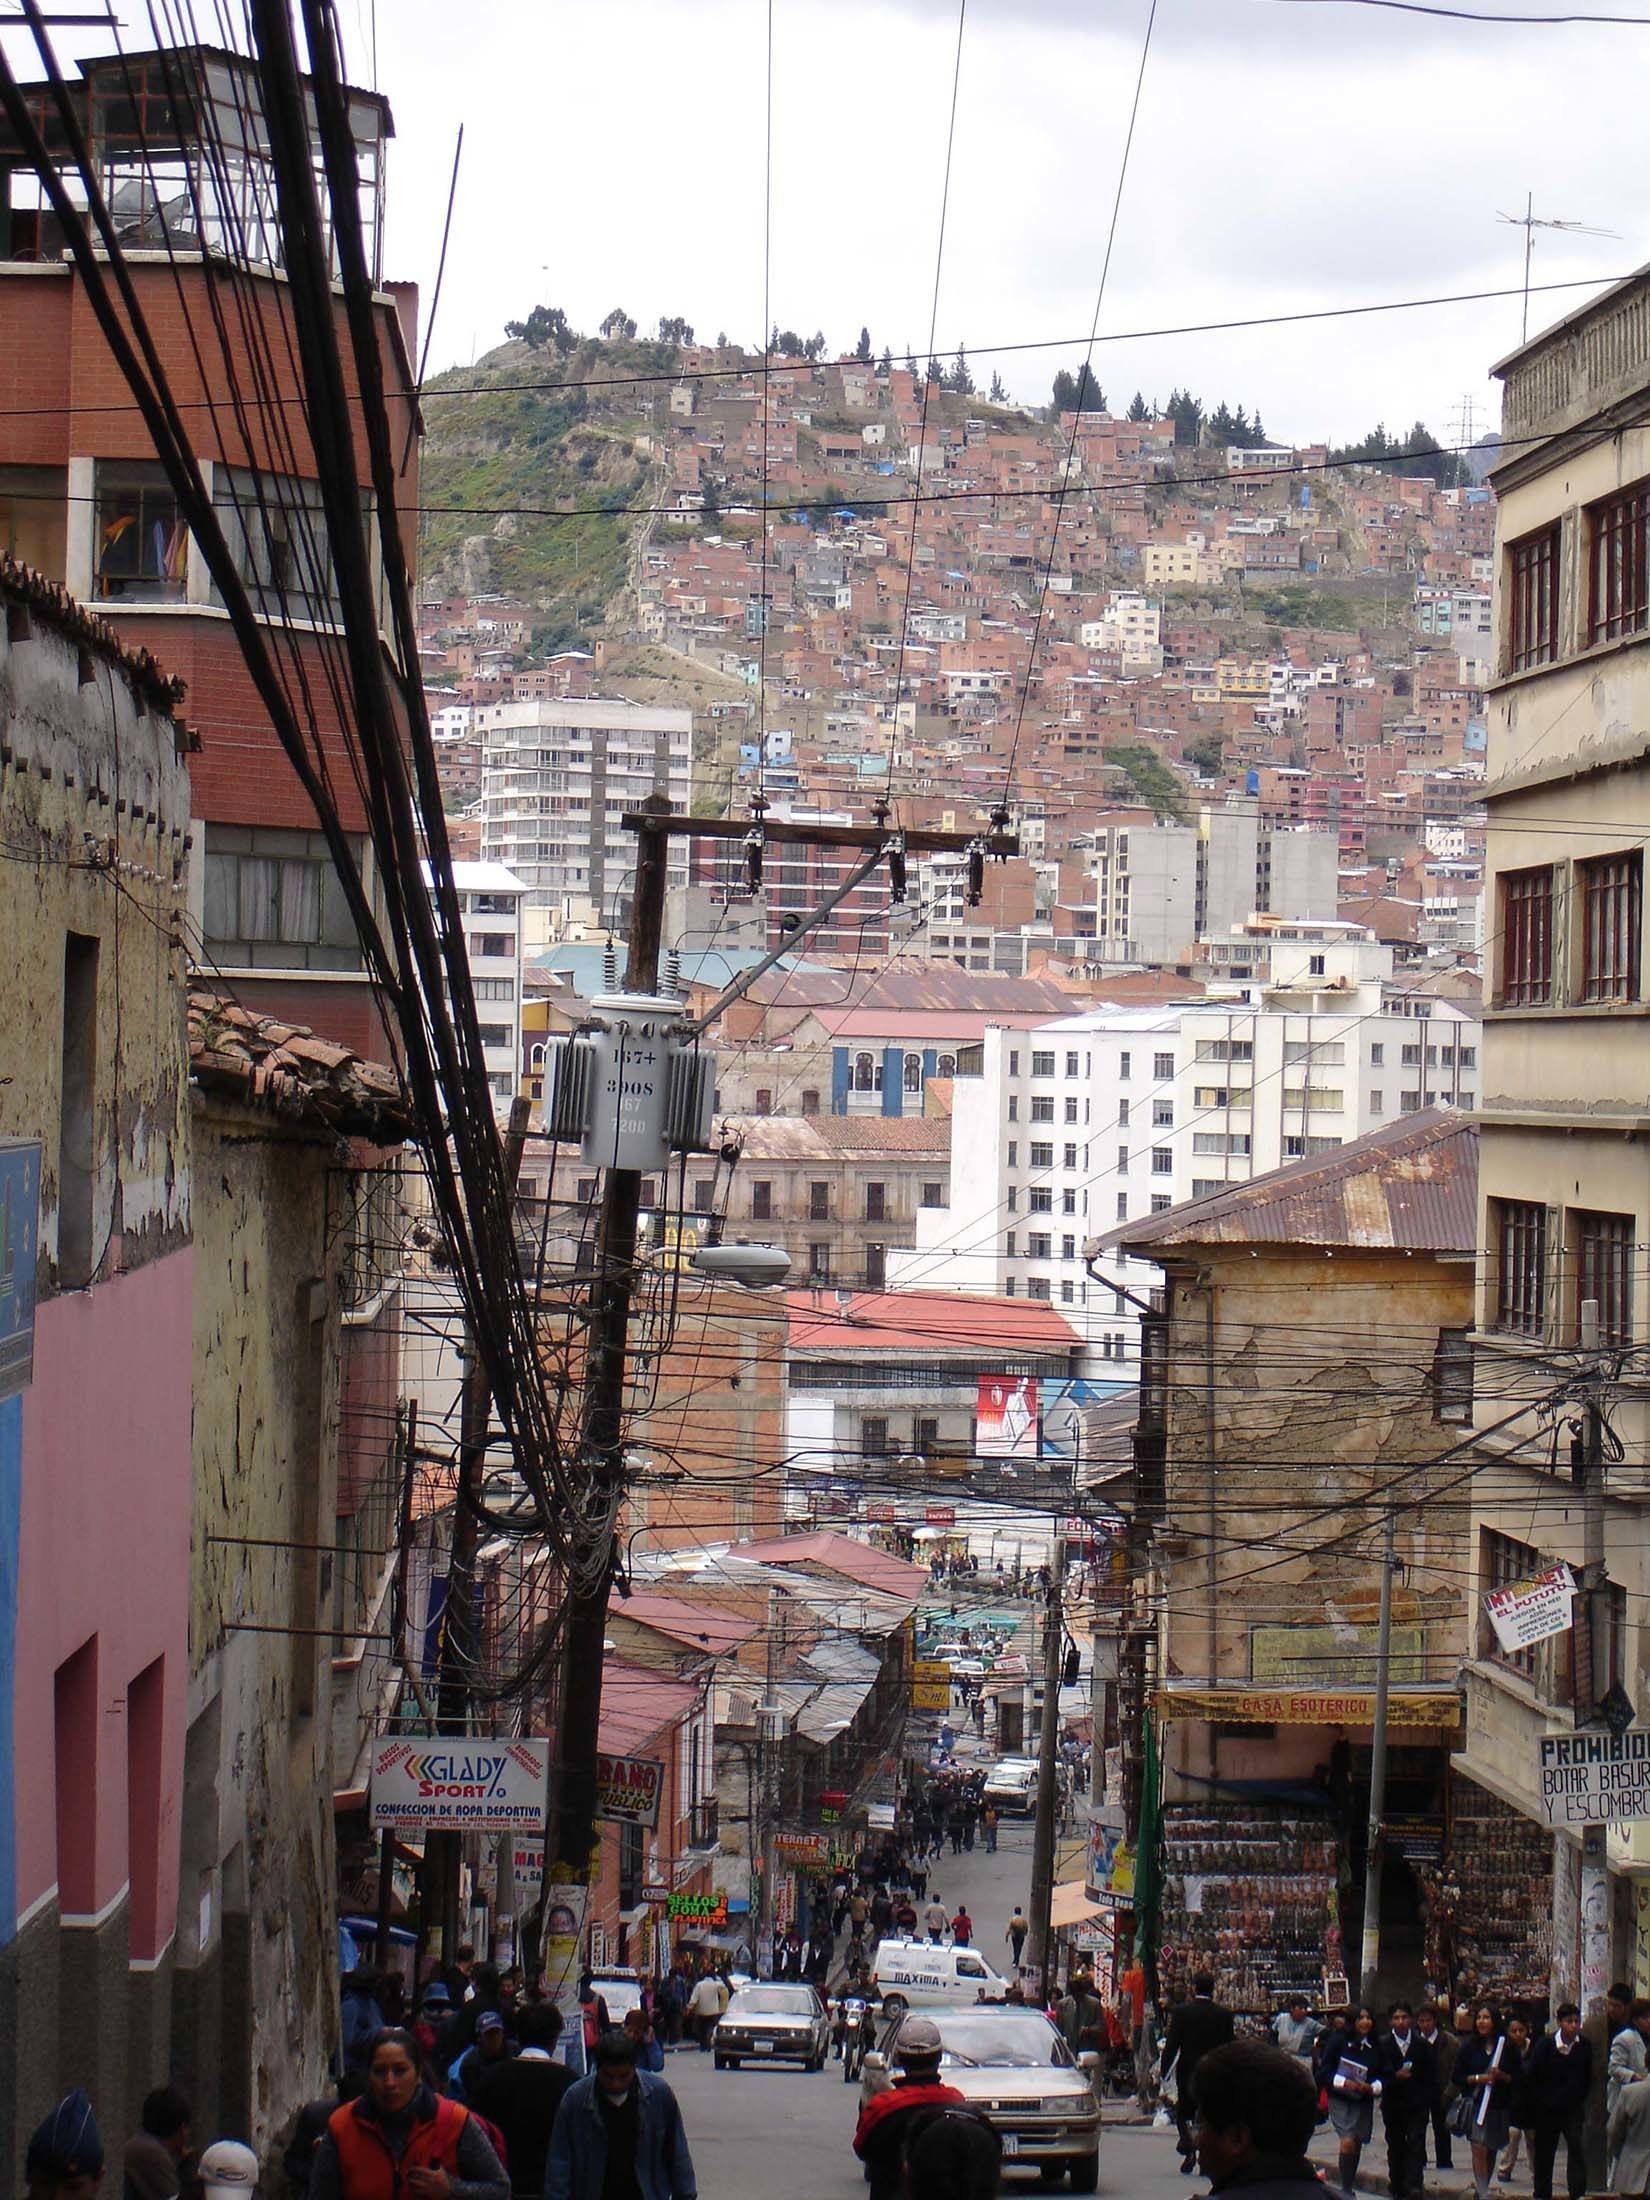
column 557, row 775
column 1159, row 888
column 1065, row 1130
column 490, row 899
column 1132, row 624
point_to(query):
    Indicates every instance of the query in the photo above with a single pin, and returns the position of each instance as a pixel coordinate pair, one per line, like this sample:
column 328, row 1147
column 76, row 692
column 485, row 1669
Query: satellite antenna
column 1530, row 221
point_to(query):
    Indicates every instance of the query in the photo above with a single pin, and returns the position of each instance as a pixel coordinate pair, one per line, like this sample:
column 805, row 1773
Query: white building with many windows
column 490, row 899
column 1063, row 1131
column 557, row 776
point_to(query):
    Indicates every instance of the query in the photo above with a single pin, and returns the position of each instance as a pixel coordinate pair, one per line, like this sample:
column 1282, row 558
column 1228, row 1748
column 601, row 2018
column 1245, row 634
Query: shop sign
column 802, row 1851
column 930, row 1685
column 459, row 1786
column 1308, row 1706
column 19, row 1218
column 879, row 1512
column 832, row 1803
column 628, row 1790
column 707, row 1911
column 1527, row 1612
column 1416, row 1836
column 1595, row 1779
column 526, row 1868
column 659, row 1896
column 940, row 1516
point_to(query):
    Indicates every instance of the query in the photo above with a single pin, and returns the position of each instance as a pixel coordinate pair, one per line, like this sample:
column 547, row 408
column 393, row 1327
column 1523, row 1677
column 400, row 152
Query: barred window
column 1527, row 937
column 1521, row 1266
column 1604, row 1272
column 1610, row 919
column 1618, row 537
column 1504, row 1561
column 1532, row 576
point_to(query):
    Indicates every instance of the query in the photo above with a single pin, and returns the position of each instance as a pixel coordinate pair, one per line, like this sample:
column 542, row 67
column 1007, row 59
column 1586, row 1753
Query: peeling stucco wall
column 265, row 1457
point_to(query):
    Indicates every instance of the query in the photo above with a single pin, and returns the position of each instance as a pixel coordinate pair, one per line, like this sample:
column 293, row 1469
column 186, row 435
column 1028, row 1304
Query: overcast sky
column 1287, row 156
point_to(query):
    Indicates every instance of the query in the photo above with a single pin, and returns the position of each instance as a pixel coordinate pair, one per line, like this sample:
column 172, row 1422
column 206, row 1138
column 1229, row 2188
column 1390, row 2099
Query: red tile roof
column 285, row 1068
column 925, row 1321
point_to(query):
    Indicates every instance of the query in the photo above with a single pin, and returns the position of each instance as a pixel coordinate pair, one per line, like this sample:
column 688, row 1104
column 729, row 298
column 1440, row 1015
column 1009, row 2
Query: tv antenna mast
column 1530, row 221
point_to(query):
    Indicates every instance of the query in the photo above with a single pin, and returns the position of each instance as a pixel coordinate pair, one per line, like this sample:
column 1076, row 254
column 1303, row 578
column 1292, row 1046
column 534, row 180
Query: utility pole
column 398, row 1622
column 1370, row 1961
column 769, row 1730
column 601, row 1434
column 443, row 1867
column 1048, row 1757
column 601, row 1445
column 1595, row 1871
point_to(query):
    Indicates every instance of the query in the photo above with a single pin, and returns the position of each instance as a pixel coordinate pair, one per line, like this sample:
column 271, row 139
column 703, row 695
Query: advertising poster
column 1005, row 1417
column 563, row 1929
column 1527, row 1612
column 459, row 1786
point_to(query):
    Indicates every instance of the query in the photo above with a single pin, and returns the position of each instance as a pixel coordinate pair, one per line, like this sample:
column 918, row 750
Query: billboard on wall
column 628, row 1789
column 453, row 1786
column 1005, row 1417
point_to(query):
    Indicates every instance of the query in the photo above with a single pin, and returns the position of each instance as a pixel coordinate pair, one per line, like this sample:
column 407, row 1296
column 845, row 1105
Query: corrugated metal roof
column 829, row 1551
column 832, row 1709
column 1411, row 1187
column 699, row 1626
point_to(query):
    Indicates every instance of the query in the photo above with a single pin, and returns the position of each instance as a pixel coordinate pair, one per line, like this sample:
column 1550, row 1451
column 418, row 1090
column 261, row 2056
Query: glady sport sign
column 448, row 1783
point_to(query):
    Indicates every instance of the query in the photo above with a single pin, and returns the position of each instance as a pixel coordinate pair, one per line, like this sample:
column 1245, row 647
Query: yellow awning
column 1309, row 1706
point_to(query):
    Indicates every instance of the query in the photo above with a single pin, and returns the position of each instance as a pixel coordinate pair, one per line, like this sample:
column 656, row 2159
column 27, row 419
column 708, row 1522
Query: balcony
column 704, row 1825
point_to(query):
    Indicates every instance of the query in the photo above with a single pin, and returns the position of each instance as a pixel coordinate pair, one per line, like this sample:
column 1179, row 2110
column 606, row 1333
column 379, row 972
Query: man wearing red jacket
column 884, row 2121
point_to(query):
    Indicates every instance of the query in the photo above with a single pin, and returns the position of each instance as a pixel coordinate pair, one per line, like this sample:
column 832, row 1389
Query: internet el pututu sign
column 1595, row 1779
column 456, row 1785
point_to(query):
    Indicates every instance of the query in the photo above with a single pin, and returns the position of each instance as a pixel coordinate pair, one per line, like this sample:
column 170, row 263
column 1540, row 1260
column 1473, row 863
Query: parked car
column 1012, row 1785
column 620, row 1989
column 913, row 1973
column 1013, row 2066
column 773, row 2024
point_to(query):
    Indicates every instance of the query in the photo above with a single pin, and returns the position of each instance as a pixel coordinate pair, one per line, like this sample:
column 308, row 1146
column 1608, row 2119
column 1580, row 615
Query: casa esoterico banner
column 1005, row 1417
column 628, row 1789
column 1308, row 1706
column 453, row 1785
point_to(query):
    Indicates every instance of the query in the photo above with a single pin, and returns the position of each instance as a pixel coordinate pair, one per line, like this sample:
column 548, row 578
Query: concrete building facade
column 557, row 775
column 1565, row 1209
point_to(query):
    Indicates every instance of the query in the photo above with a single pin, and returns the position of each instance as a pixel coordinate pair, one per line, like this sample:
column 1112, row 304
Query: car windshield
column 1020, row 2039
column 775, row 2001
column 619, row 1994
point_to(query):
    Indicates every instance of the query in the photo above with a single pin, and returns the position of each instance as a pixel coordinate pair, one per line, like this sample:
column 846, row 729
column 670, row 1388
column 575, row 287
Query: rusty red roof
column 926, row 1321
column 828, row 1550
column 21, row 584
column 1409, row 1187
column 638, row 1702
column 697, row 1626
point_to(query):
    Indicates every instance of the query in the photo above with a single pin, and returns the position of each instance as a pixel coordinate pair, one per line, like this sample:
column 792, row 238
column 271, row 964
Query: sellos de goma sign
column 1595, row 1779
column 448, row 1783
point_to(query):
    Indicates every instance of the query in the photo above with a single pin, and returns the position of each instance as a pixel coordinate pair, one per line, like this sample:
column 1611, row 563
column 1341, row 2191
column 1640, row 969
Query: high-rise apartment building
column 1064, row 1131
column 1159, row 888
column 557, row 775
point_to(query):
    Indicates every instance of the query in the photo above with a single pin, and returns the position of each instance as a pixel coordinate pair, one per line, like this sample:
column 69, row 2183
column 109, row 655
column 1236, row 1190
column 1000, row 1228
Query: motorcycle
column 859, row 2036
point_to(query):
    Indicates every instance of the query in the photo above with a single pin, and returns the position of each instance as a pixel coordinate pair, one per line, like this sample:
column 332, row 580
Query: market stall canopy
column 1071, row 1904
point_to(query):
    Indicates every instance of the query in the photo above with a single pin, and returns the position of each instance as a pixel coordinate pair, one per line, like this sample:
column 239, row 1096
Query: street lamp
column 756, row 1267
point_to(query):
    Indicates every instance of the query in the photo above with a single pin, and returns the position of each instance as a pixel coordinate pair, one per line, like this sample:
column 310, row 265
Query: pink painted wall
column 105, row 1552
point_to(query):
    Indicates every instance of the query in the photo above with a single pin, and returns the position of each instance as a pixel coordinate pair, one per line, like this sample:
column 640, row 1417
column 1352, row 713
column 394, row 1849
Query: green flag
column 1148, row 1857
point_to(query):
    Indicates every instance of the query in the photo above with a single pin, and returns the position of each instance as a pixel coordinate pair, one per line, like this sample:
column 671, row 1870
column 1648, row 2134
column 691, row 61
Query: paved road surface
column 771, row 2134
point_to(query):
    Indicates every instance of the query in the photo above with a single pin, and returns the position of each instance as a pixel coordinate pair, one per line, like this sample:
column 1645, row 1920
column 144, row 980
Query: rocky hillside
column 534, row 434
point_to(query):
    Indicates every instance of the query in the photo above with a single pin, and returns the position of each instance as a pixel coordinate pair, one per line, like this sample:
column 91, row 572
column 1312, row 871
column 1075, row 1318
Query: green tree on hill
column 545, row 327
column 675, row 331
column 862, row 350
column 999, row 395
column 618, row 327
column 960, row 382
column 1149, row 776
column 1078, row 392
column 1138, row 408
column 885, row 365
column 1186, row 412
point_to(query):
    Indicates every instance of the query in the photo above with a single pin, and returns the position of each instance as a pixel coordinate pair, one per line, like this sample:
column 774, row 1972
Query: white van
column 916, row 1974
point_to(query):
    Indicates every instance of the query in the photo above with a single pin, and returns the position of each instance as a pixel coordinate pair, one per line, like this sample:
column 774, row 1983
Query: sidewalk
column 1441, row 2184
